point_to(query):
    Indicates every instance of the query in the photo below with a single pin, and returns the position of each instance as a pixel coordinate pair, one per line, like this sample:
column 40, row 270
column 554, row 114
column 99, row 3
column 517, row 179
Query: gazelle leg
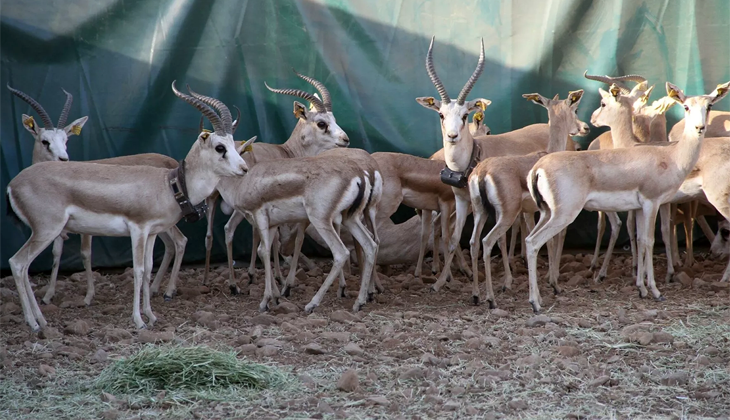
column 498, row 232
column 57, row 251
column 527, row 224
column 599, row 237
column 554, row 265
column 340, row 255
column 276, row 244
column 480, row 218
column 369, row 248
column 666, row 225
column 298, row 241
column 615, row 222
column 462, row 208
column 148, row 260
column 139, row 245
column 702, row 223
column 169, row 254
column 426, row 218
column 209, row 215
column 180, row 242
column 650, row 213
column 689, row 233
column 230, row 228
column 271, row 292
column 674, row 216
column 86, row 259
column 641, row 261
column 631, row 228
column 436, row 261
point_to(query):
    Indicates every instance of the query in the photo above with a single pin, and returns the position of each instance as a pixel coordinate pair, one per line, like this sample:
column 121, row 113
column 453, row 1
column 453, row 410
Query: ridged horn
column 608, row 80
column 47, row 124
column 236, row 121
column 326, row 98
column 434, row 77
column 66, row 108
column 207, row 111
column 473, row 79
column 226, row 117
column 318, row 105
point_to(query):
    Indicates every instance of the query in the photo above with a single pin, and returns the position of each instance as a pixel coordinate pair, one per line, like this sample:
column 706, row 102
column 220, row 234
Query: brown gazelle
column 635, row 178
column 89, row 198
column 50, row 145
column 316, row 131
column 499, row 183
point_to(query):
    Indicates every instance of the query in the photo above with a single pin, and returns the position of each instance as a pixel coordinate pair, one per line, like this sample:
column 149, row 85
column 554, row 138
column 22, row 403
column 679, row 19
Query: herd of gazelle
column 325, row 185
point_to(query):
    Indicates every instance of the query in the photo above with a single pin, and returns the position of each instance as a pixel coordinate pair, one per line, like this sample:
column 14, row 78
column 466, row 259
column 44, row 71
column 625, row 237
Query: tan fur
column 718, row 125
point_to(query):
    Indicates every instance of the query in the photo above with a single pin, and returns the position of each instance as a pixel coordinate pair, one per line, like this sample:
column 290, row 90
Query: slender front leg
column 480, row 218
column 57, row 252
column 291, row 277
column 554, row 266
column 601, row 229
column 514, row 232
column 209, row 215
column 689, row 233
column 139, row 244
column 666, row 224
column 426, row 218
column 271, row 292
column 148, row 260
column 615, row 222
column 436, row 261
column 527, row 224
column 340, row 255
column 462, row 209
column 275, row 254
column 650, row 213
column 180, row 241
column 632, row 228
column 86, row 259
column 640, row 270
column 230, row 228
column 702, row 223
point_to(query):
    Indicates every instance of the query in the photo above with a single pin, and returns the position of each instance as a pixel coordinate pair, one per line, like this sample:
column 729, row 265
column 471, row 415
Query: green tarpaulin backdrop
column 118, row 58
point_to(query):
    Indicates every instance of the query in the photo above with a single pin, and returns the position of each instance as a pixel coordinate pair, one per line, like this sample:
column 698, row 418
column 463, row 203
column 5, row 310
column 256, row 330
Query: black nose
column 63, row 159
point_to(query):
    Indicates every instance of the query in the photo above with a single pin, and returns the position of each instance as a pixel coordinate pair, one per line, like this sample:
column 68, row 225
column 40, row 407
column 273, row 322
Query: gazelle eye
column 322, row 125
column 45, row 143
column 221, row 149
column 464, row 117
column 603, row 104
column 686, row 108
column 441, row 115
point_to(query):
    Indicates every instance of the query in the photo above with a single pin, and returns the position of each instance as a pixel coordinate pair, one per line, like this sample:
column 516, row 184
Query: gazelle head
column 477, row 127
column 697, row 107
column 318, row 128
column 453, row 114
column 562, row 113
column 721, row 244
column 640, row 92
column 616, row 103
column 217, row 146
column 50, row 142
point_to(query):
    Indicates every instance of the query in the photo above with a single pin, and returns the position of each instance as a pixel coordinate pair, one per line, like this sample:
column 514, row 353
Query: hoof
column 557, row 290
column 234, row 290
column 475, row 300
column 263, row 308
column 309, row 308
column 380, row 290
column 341, row 292
column 167, row 298
column 371, row 297
column 492, row 305
column 357, row 307
column 660, row 299
column 43, row 302
column 286, row 291
column 535, row 308
column 642, row 294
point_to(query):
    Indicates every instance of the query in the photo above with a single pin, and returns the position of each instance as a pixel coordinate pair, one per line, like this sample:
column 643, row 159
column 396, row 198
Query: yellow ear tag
column 29, row 122
column 248, row 148
column 478, row 116
column 615, row 91
column 430, row 101
column 205, row 130
column 533, row 98
column 721, row 89
column 673, row 94
column 205, row 135
column 482, row 105
column 76, row 129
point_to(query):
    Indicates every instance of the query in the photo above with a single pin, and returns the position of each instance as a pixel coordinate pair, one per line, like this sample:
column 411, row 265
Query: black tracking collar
column 461, row 179
column 176, row 178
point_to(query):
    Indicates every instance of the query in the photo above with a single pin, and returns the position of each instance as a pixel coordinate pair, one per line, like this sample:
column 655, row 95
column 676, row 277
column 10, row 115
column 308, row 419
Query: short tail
column 534, row 190
column 483, row 195
column 358, row 199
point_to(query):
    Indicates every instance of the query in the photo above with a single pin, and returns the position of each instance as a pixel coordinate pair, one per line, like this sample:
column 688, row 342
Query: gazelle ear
column 247, row 146
column 76, row 126
column 429, row 102
column 615, row 91
column 574, row 97
column 720, row 92
column 536, row 98
column 675, row 93
column 30, row 125
column 480, row 103
column 300, row 111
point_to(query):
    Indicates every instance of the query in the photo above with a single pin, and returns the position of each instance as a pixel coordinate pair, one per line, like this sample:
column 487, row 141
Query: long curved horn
column 434, row 77
column 326, row 99
column 214, row 119
column 318, row 105
column 66, row 108
column 608, row 80
column 473, row 79
column 237, row 120
column 630, row 78
column 218, row 105
column 47, row 124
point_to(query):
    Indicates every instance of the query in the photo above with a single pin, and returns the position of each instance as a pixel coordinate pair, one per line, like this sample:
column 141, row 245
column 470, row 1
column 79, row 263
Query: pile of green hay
column 175, row 368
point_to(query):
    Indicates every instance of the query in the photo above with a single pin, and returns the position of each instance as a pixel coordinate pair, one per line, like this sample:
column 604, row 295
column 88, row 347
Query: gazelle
column 50, row 145
column 718, row 125
column 334, row 187
column 498, row 183
column 93, row 199
column 635, row 178
column 315, row 132
column 721, row 245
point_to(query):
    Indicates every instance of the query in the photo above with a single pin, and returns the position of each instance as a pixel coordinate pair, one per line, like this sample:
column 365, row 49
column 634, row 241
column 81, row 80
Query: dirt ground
column 597, row 350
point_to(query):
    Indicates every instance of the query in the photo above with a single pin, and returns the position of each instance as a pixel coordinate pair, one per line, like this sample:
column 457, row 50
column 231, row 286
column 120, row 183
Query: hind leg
column 148, row 260
column 169, row 254
column 601, row 228
column 631, row 229
column 436, row 260
column 57, row 251
column 298, row 241
column 480, row 218
column 209, row 215
column 666, row 225
column 426, row 218
column 180, row 241
column 340, row 254
column 615, row 222
column 86, row 258
column 230, row 228
column 369, row 248
column 271, row 292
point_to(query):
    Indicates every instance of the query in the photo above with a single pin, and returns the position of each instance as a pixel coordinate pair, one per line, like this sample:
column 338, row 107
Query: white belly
column 83, row 221
column 690, row 189
column 613, row 201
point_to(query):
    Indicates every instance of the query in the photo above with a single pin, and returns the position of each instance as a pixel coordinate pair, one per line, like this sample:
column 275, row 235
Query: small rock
column 324, row 408
column 601, row 380
column 248, row 349
column 49, row 309
column 49, row 333
column 269, row 342
column 117, row 334
column 451, row 405
column 267, row 351
column 100, row 356
column 584, row 323
column 264, row 319
column 575, row 281
column 568, row 351
column 537, row 321
column 206, row 319
column 78, row 327
column 378, row 400
column 343, row 317
column 342, row 337
column 77, row 303
column 430, row 359
column 146, row 337
column 499, row 313
column 47, row 371
column 112, row 414
column 471, row 410
column 645, row 338
column 353, row 349
column 684, row 279
column 676, row 378
column 413, row 373
column 313, row 348
column 349, row 381
column 517, row 405
column 285, row 307
column 108, row 398
column 257, row 332
column 663, row 337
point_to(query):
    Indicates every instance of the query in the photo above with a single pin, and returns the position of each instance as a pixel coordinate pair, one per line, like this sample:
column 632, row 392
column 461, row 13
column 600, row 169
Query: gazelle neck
column 622, row 131
column 294, row 145
column 559, row 137
column 687, row 150
column 458, row 155
column 199, row 178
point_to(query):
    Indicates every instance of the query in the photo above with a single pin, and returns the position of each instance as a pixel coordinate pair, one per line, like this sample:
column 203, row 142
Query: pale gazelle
column 634, row 178
column 50, row 145
column 498, row 184
column 316, row 131
column 89, row 198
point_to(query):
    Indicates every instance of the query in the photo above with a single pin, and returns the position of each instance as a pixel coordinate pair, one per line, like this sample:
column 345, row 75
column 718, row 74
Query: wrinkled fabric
column 119, row 57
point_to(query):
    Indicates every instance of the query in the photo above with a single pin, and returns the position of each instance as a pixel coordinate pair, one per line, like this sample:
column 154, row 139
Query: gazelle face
column 221, row 150
column 454, row 126
column 614, row 105
column 696, row 108
column 721, row 244
column 477, row 127
column 319, row 130
column 50, row 144
column 562, row 112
